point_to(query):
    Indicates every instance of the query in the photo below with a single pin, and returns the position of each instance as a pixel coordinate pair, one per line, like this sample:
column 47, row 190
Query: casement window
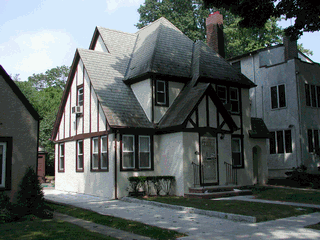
column 5, row 162
column 79, row 164
column 230, row 96
column 80, row 96
column 99, row 154
column 162, row 93
column 136, row 152
column 222, row 93
column 278, row 97
column 234, row 100
column 312, row 95
column 280, row 142
column 236, row 152
column 61, row 158
column 313, row 140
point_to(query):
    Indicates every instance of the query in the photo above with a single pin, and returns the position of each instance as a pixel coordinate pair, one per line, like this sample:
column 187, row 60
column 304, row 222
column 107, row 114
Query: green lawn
column 287, row 195
column 119, row 223
column 46, row 229
column 262, row 211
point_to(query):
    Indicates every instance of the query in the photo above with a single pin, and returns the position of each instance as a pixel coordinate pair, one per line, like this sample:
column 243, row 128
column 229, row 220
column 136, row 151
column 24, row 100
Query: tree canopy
column 255, row 13
column 44, row 92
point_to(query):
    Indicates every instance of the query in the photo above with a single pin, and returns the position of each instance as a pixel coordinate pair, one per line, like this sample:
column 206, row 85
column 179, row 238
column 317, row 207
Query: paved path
column 196, row 226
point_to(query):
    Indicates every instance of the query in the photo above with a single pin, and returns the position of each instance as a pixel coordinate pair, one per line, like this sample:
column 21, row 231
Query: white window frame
column 278, row 98
column 317, row 98
column 162, row 92
column 80, row 154
column 94, row 153
column 123, row 151
column 314, row 147
column 140, row 136
column 235, row 100
column 3, row 162
column 284, row 141
column 61, row 166
column 240, row 151
column 103, row 151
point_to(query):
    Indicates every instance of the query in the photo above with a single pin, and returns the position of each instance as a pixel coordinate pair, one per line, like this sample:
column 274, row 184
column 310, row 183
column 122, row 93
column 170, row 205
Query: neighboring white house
column 19, row 134
column 152, row 103
column 287, row 98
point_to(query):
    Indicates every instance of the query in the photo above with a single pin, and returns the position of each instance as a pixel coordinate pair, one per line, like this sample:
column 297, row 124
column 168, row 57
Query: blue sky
column 40, row 35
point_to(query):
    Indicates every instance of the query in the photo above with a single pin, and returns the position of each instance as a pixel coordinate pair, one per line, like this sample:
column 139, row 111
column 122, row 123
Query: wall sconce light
column 222, row 136
column 291, row 126
column 196, row 153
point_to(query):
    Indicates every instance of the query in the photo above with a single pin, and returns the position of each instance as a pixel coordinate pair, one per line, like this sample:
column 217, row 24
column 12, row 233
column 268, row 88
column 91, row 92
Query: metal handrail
column 231, row 174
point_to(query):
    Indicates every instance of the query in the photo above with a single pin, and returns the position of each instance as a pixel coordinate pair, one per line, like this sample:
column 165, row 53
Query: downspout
column 255, row 89
column 299, row 112
column 115, row 167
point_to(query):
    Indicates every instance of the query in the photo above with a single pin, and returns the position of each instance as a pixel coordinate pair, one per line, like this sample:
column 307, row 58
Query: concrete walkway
column 196, row 226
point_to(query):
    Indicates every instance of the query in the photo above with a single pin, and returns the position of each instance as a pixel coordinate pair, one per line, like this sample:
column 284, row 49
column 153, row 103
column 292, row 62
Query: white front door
column 209, row 160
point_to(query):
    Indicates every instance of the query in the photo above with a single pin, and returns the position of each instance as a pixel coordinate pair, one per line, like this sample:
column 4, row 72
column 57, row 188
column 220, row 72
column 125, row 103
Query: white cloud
column 35, row 52
column 113, row 5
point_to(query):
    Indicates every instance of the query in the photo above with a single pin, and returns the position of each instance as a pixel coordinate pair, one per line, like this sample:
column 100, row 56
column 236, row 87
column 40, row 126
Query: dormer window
column 161, row 93
column 80, row 96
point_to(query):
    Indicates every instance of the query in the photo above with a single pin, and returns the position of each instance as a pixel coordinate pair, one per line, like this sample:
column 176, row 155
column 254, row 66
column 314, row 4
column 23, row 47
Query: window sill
column 135, row 170
column 99, row 170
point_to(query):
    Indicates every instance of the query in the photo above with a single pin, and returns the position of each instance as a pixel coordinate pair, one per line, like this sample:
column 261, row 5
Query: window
column 128, row 155
column 5, row 162
column 161, row 93
column 280, row 142
column 222, row 93
column 312, row 95
column 79, row 163
column 99, row 154
column 61, row 158
column 144, row 152
column 230, row 96
column 278, row 97
column 313, row 140
column 236, row 152
column 234, row 100
column 80, row 96
column 136, row 152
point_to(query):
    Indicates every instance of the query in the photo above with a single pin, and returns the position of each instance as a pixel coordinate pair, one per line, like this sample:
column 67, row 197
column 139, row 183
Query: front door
column 209, row 160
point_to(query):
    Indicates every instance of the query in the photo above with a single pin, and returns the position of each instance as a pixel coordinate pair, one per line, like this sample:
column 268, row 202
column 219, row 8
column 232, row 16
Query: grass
column 262, row 211
column 287, row 195
column 46, row 229
column 119, row 223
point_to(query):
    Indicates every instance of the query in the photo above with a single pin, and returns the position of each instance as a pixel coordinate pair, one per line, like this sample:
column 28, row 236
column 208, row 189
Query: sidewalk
column 196, row 226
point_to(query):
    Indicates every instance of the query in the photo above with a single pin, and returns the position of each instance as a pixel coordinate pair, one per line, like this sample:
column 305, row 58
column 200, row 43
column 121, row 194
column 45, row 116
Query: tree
column 254, row 14
column 44, row 92
column 190, row 15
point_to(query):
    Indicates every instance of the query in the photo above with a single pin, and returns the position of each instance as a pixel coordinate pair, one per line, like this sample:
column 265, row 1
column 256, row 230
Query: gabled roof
column 188, row 100
column 19, row 94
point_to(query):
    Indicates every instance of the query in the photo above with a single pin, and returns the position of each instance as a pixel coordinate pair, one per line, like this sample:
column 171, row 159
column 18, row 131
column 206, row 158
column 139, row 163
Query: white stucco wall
column 143, row 92
column 100, row 46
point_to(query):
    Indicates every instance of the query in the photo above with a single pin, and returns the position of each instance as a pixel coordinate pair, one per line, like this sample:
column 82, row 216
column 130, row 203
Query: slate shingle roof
column 159, row 48
column 106, row 72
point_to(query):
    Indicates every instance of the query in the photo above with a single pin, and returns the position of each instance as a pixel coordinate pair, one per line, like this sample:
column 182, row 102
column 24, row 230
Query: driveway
column 196, row 226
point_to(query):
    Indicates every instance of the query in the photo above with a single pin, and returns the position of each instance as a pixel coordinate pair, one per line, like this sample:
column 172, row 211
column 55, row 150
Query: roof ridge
column 113, row 30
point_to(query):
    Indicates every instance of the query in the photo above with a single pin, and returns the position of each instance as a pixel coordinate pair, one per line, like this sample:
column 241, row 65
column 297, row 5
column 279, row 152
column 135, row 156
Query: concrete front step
column 211, row 189
column 210, row 195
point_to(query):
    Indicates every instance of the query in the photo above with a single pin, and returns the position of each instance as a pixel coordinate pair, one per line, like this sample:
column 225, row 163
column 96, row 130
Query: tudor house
column 287, row 98
column 155, row 103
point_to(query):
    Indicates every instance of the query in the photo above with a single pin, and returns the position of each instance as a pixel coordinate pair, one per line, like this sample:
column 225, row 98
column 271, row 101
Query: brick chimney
column 290, row 48
column 215, row 39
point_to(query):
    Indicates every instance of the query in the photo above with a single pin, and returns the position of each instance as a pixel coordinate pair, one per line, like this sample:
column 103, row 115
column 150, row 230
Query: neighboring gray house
column 287, row 98
column 19, row 134
column 153, row 103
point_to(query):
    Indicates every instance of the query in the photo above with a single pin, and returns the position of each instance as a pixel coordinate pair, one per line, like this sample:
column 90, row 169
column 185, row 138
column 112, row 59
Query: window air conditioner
column 77, row 109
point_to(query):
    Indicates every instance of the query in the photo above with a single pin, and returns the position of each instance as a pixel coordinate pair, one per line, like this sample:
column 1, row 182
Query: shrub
column 30, row 198
column 300, row 176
